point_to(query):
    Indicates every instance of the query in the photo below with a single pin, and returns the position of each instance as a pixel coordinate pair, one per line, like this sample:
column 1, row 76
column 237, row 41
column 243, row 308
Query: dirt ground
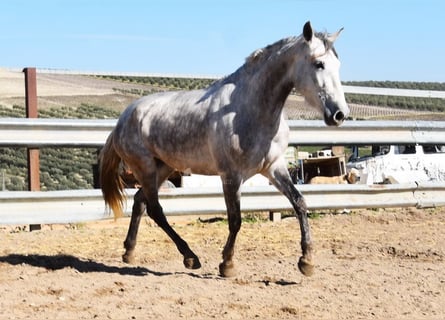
column 371, row 264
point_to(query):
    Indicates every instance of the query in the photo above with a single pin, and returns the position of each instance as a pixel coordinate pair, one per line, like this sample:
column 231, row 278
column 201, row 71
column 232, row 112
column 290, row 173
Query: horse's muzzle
column 334, row 113
column 339, row 117
column 335, row 119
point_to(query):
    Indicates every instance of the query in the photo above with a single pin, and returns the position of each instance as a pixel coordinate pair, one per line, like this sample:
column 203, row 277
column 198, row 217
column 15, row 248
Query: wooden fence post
column 33, row 153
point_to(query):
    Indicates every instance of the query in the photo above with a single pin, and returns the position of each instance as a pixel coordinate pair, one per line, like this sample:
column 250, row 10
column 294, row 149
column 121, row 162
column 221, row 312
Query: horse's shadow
column 62, row 261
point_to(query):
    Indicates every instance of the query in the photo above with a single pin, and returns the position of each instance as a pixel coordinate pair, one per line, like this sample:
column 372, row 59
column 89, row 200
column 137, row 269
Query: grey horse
column 234, row 128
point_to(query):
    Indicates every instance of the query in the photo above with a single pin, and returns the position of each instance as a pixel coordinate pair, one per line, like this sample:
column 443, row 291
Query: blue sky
column 383, row 39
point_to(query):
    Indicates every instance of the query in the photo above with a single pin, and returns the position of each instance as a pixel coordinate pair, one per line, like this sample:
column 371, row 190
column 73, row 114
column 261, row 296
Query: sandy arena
column 371, row 264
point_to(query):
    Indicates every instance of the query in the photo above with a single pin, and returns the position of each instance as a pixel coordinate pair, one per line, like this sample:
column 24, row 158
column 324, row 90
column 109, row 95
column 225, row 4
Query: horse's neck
column 273, row 83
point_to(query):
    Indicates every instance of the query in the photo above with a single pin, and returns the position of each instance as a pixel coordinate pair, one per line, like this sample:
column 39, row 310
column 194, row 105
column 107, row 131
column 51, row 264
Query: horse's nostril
column 339, row 116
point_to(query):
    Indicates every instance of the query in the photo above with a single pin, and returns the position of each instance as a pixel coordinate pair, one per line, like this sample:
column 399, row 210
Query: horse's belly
column 196, row 163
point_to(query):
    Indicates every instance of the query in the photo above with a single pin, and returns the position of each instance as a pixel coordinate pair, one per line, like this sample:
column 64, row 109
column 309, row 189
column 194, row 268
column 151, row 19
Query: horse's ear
column 307, row 31
column 333, row 37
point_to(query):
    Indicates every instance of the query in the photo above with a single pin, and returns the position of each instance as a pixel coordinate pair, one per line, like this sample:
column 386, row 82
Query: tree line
column 436, row 86
column 411, row 103
column 197, row 83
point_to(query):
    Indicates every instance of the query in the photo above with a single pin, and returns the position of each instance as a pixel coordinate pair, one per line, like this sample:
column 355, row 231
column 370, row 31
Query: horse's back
column 202, row 131
column 163, row 112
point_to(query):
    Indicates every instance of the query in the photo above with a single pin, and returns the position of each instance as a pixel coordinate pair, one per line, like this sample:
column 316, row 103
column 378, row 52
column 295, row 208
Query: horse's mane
column 257, row 57
column 261, row 55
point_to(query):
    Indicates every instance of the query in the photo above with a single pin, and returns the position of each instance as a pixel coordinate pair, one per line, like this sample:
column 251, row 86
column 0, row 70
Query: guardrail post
column 275, row 216
column 33, row 153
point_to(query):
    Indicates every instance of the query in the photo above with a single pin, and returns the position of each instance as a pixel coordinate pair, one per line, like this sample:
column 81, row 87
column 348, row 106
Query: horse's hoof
column 227, row 270
column 192, row 263
column 306, row 267
column 128, row 258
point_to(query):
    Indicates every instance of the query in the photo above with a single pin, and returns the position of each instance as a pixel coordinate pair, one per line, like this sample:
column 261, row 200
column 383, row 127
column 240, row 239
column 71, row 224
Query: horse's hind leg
column 150, row 185
column 155, row 211
column 136, row 214
column 139, row 206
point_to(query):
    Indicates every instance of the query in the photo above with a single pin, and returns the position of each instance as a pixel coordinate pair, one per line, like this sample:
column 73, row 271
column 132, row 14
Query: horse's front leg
column 136, row 214
column 231, row 188
column 279, row 176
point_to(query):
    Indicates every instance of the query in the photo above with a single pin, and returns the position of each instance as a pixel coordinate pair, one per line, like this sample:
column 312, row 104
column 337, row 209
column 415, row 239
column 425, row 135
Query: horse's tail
column 111, row 181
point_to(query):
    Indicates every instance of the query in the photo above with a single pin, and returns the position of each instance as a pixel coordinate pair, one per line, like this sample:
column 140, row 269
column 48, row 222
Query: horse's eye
column 319, row 65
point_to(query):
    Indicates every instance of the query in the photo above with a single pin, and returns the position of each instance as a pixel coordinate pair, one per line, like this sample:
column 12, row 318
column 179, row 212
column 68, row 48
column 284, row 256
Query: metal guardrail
column 36, row 133
column 83, row 205
column 22, row 207
column 367, row 133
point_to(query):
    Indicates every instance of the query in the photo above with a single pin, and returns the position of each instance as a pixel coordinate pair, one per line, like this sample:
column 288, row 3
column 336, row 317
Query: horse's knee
column 300, row 206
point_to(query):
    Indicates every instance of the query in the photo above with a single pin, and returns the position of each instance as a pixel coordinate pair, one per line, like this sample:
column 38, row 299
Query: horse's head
column 318, row 76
